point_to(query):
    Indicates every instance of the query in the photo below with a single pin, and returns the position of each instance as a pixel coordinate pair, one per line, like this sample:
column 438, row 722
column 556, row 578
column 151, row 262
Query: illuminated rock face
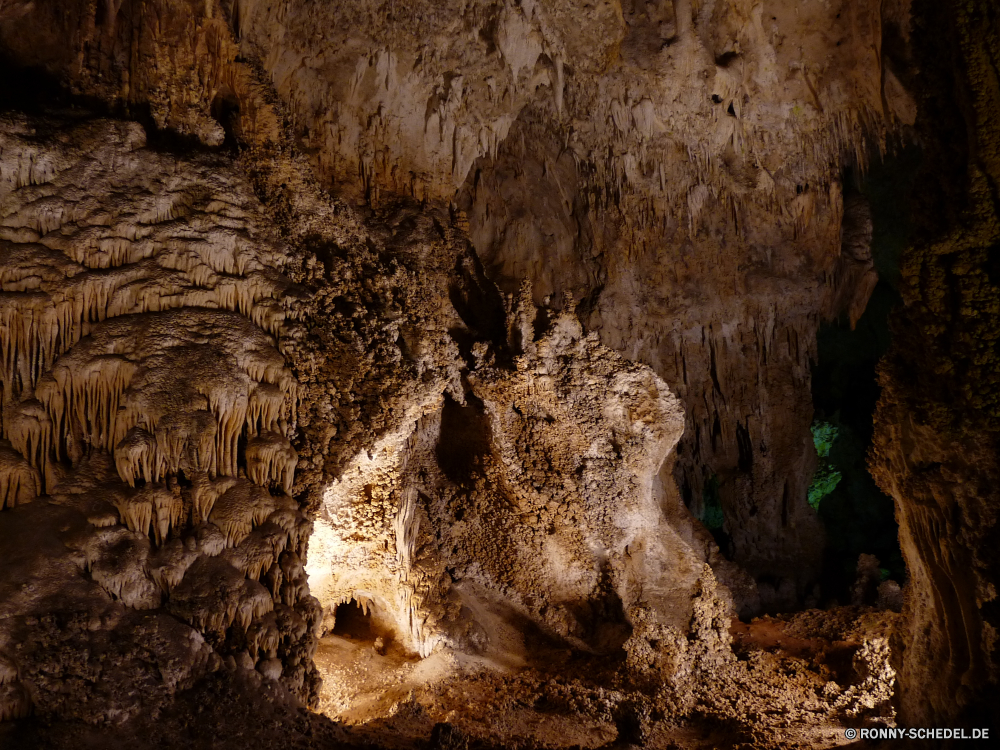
column 150, row 410
column 676, row 165
column 531, row 499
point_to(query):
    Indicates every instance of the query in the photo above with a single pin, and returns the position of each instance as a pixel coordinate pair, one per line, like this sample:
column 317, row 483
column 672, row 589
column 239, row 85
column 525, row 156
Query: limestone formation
column 936, row 424
column 146, row 405
column 717, row 136
column 587, row 148
column 535, row 495
column 373, row 372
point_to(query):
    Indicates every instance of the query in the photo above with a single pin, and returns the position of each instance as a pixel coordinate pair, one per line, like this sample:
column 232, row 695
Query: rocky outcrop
column 479, row 468
column 276, row 342
column 526, row 497
column 626, row 155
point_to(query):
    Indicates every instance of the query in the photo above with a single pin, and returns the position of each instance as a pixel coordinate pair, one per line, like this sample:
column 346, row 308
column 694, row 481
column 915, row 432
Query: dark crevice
column 857, row 516
column 354, row 623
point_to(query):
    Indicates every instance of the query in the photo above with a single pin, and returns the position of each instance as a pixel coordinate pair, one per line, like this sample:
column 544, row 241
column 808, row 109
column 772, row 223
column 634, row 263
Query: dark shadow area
column 857, row 516
column 241, row 712
column 226, row 111
column 354, row 623
column 464, row 441
column 479, row 304
column 35, row 91
column 27, row 89
column 605, row 625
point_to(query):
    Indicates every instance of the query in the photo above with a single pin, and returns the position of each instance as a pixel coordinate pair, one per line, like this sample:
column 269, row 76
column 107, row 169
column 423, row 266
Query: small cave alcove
column 355, row 622
column 225, row 110
column 858, row 518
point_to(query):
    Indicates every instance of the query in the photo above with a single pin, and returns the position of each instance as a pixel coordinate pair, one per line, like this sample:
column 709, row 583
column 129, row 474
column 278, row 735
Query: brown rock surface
column 433, row 327
column 679, row 158
column 936, row 426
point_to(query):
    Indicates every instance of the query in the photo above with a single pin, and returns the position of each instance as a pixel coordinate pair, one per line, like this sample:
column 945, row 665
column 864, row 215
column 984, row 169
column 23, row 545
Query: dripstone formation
column 387, row 373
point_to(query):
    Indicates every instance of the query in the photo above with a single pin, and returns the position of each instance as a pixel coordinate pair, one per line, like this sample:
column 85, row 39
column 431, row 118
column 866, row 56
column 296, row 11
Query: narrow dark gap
column 225, row 110
column 36, row 91
column 241, row 454
column 857, row 516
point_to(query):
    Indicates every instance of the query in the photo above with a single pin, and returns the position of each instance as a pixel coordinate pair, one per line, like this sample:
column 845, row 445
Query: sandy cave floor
column 571, row 700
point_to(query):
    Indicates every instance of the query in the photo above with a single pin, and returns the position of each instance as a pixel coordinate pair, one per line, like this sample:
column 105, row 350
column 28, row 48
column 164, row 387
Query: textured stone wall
column 936, row 427
column 674, row 165
column 337, row 263
column 147, row 411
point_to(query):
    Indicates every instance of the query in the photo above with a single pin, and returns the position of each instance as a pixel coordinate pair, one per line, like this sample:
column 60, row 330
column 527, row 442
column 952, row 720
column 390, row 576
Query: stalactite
column 15, row 702
column 116, row 403
column 117, row 562
column 20, row 482
column 136, row 512
column 271, row 460
column 136, row 457
column 264, row 636
column 204, row 492
column 141, row 354
column 237, row 510
column 294, row 584
column 168, row 566
column 214, row 595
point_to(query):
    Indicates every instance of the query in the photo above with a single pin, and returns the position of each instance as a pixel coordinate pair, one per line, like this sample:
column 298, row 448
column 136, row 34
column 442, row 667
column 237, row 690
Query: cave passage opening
column 858, row 518
column 355, row 622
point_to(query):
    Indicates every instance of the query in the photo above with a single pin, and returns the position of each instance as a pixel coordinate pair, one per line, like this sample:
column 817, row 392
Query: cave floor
column 395, row 700
column 797, row 682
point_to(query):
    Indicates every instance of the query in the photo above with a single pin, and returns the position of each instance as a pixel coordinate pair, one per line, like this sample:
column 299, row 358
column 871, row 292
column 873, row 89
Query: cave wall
column 675, row 168
column 147, row 411
column 168, row 334
column 936, row 425
column 526, row 498
column 674, row 165
column 159, row 359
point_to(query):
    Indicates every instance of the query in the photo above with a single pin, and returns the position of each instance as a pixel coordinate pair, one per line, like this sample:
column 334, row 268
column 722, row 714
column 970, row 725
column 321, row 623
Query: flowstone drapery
column 147, row 403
